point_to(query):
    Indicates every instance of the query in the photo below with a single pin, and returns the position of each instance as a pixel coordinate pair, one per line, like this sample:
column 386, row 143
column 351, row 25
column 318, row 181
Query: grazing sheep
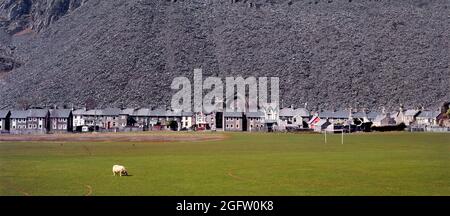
column 120, row 170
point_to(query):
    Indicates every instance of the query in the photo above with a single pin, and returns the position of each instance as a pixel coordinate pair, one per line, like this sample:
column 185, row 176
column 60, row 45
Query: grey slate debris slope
column 330, row 54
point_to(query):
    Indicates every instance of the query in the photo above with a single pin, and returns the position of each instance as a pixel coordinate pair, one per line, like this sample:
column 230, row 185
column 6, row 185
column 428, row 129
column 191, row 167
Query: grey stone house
column 61, row 120
column 110, row 118
column 255, row 121
column 384, row 119
column 175, row 116
column 141, row 118
column 336, row 117
column 5, row 119
column 233, row 121
column 158, row 120
column 38, row 119
column 33, row 121
column 125, row 118
column 427, row 118
column 18, row 120
column 290, row 117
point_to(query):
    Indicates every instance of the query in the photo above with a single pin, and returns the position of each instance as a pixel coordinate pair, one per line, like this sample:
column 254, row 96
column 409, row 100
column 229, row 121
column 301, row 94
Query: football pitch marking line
column 24, row 193
column 89, row 190
column 230, row 174
column 235, row 177
column 16, row 188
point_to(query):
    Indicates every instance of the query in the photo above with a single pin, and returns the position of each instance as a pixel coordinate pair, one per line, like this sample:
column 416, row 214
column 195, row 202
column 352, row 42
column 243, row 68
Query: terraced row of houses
column 42, row 121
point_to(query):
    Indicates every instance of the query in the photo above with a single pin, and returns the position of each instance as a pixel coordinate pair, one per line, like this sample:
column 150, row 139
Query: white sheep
column 120, row 170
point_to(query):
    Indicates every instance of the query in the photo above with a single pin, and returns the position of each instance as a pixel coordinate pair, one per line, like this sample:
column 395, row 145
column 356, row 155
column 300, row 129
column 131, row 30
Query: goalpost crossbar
column 332, row 132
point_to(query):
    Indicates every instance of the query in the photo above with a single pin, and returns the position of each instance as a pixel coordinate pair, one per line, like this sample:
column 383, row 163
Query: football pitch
column 206, row 163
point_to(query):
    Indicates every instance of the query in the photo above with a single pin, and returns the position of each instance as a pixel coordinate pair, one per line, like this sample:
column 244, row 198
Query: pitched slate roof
column 341, row 114
column 258, row 114
column 19, row 113
column 187, row 114
column 79, row 112
column 429, row 114
column 158, row 113
column 39, row 113
column 111, row 111
column 3, row 113
column 172, row 113
column 302, row 112
column 287, row 112
column 233, row 114
column 291, row 112
column 60, row 113
column 127, row 111
column 142, row 112
column 411, row 112
column 94, row 112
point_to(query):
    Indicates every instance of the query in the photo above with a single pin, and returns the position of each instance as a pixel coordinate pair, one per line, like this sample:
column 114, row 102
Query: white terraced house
column 186, row 120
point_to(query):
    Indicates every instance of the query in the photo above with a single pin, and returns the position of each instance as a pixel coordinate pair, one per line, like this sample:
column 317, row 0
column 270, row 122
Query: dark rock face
column 18, row 15
column 329, row 54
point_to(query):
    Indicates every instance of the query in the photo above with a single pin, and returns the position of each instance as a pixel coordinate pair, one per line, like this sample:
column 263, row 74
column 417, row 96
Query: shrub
column 399, row 127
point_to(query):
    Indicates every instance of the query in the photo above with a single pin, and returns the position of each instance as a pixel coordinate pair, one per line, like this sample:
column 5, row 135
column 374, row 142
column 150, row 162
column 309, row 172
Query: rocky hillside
column 20, row 15
column 329, row 53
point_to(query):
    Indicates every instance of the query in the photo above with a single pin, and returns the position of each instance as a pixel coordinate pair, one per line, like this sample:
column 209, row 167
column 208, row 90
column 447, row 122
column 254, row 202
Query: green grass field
column 240, row 164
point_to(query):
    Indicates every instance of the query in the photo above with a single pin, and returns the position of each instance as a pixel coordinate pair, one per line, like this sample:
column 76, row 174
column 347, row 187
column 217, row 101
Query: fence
column 435, row 129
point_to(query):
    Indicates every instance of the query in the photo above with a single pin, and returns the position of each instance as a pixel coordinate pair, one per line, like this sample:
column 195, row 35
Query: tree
column 448, row 113
column 173, row 125
column 445, row 107
column 90, row 103
column 23, row 103
column 131, row 121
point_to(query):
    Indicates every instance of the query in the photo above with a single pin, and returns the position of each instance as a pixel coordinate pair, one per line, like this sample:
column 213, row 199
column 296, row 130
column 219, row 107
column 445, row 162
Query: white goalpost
column 332, row 132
